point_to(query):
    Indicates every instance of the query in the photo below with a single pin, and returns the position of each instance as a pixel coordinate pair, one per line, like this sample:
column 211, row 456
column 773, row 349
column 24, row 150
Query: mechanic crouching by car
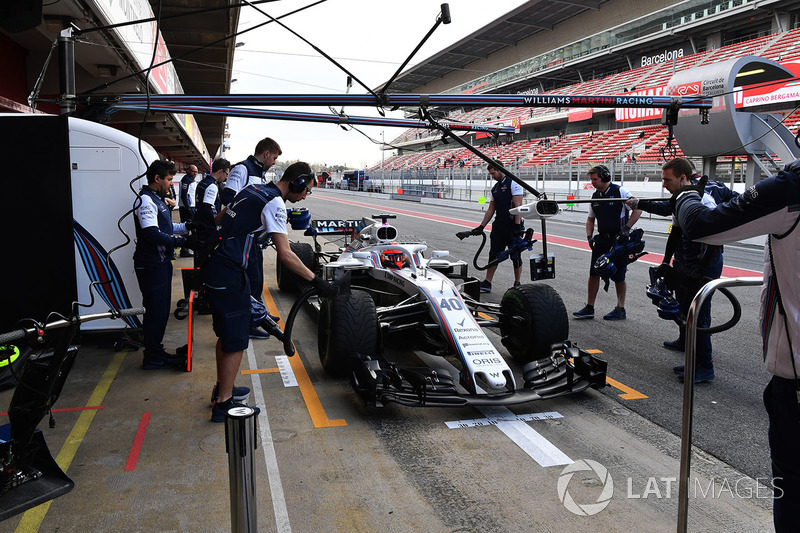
column 771, row 206
column 156, row 239
column 256, row 209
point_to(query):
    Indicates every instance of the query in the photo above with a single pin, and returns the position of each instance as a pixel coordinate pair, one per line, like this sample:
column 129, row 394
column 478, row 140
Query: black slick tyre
column 533, row 317
column 288, row 281
column 347, row 327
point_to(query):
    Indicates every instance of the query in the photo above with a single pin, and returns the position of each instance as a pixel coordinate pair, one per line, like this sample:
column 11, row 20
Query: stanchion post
column 240, row 443
column 688, row 386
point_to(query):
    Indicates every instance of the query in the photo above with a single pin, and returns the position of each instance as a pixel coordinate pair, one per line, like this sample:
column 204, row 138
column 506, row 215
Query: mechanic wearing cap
column 250, row 172
column 255, row 210
column 770, row 206
column 613, row 219
column 506, row 193
column 156, row 239
column 694, row 265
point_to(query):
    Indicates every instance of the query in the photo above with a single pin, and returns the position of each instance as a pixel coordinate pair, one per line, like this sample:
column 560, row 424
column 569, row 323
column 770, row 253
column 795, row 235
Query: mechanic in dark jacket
column 613, row 218
column 250, row 172
column 156, row 239
column 255, row 209
column 506, row 194
column 208, row 212
column 185, row 211
column 694, row 264
column 771, row 206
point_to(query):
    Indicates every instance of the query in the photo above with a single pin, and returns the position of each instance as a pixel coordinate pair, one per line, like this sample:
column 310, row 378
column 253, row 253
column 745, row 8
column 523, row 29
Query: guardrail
column 688, row 385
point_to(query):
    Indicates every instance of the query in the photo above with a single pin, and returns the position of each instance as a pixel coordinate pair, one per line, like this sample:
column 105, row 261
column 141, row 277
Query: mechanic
column 613, row 219
column 506, row 194
column 185, row 210
column 770, row 206
column 209, row 210
column 156, row 239
column 249, row 172
column 694, row 264
column 255, row 209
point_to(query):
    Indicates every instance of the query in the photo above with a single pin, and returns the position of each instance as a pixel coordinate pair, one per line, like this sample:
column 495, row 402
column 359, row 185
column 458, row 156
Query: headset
column 602, row 171
column 300, row 183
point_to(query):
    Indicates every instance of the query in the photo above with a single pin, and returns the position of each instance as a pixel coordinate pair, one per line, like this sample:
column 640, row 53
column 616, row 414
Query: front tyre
column 532, row 318
column 347, row 327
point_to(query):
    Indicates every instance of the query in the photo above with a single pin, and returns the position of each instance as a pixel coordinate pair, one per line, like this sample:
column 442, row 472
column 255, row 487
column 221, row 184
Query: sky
column 371, row 38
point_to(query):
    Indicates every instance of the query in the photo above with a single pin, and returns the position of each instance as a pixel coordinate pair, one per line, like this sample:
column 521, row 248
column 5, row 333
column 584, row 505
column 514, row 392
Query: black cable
column 190, row 52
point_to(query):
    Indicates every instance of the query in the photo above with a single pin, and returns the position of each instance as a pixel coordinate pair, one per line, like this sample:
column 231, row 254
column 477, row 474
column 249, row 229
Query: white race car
column 396, row 300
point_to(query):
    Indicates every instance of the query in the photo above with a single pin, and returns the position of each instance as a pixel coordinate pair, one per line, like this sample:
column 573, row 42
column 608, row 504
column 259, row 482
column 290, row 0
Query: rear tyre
column 533, row 317
column 288, row 281
column 347, row 327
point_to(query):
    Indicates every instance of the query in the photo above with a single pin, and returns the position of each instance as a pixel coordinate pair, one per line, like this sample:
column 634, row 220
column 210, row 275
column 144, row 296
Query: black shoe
column 220, row 409
column 586, row 312
column 161, row 361
column 186, row 253
column 701, row 375
column 676, row 345
column 240, row 394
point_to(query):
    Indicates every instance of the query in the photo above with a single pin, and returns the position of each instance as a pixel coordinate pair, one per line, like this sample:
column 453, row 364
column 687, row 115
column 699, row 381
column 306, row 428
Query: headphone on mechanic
column 300, row 183
column 602, row 171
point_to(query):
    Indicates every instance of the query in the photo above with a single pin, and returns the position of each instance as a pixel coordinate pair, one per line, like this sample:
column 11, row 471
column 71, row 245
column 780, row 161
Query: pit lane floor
column 145, row 457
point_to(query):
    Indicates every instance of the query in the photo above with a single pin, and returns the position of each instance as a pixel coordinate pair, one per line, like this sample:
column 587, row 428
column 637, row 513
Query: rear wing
column 350, row 228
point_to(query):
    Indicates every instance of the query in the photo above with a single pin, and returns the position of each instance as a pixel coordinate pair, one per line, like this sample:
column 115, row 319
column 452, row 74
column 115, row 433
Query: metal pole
column 66, row 70
column 688, row 385
column 240, row 443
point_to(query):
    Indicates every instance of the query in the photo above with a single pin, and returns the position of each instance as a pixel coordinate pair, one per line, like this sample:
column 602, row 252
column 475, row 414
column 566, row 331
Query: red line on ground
column 137, row 443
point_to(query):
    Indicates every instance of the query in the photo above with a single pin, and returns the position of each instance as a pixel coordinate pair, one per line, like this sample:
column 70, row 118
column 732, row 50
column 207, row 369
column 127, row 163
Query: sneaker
column 220, row 409
column 586, row 312
column 258, row 333
column 161, row 361
column 701, row 375
column 517, row 284
column 676, row 345
column 486, row 286
column 240, row 394
column 678, row 369
column 617, row 314
column 186, row 253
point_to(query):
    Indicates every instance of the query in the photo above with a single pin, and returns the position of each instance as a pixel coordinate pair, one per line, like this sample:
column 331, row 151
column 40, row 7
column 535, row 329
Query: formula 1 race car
column 395, row 301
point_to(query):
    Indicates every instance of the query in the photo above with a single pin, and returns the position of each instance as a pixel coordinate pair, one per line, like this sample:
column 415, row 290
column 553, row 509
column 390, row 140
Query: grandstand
column 553, row 142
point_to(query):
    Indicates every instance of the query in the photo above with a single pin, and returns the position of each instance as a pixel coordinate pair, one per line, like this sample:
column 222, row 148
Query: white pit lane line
column 528, row 439
column 282, row 524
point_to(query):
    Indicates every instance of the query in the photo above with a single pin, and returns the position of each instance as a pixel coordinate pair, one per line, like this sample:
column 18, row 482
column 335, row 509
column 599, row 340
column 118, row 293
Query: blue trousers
column 780, row 400
column 155, row 283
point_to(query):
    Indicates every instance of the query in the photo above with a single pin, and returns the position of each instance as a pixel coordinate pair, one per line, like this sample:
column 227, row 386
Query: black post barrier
column 240, row 443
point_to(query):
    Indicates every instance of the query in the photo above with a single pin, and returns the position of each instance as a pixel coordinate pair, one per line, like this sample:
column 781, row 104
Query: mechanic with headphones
column 694, row 264
column 250, row 172
column 156, row 239
column 255, row 210
column 613, row 219
column 770, row 206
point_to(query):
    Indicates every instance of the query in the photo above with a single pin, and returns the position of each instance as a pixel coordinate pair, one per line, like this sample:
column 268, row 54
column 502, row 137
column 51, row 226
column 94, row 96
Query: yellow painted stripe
column 260, row 371
column 32, row 519
column 627, row 392
column 314, row 406
column 484, row 316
